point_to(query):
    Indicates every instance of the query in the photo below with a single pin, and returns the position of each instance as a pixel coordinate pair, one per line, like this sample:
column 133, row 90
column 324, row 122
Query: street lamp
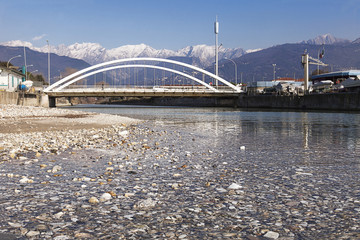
column 7, row 65
column 32, row 72
column 235, row 69
column 274, row 65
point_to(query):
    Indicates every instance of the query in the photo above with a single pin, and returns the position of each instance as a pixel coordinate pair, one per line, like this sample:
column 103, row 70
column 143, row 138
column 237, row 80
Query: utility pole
column 305, row 62
column 25, row 62
column 48, row 61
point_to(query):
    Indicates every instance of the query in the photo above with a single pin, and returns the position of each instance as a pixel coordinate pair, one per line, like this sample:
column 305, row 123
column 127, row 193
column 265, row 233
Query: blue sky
column 174, row 24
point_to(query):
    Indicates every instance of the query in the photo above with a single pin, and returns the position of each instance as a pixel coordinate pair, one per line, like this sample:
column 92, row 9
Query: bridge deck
column 133, row 92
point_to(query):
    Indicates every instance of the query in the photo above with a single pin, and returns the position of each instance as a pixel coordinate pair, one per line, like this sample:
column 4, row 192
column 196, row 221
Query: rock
column 56, row 169
column 124, row 133
column 15, row 225
column 93, row 200
column 41, row 227
column 175, row 186
column 234, row 186
column 59, row 215
column 32, row 233
column 105, row 197
column 62, row 237
column 145, row 204
column 129, row 195
column 83, row 235
column 25, row 180
column 272, row 235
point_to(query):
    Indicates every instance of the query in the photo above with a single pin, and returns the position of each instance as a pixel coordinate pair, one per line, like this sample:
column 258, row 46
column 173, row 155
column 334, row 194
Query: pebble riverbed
column 147, row 181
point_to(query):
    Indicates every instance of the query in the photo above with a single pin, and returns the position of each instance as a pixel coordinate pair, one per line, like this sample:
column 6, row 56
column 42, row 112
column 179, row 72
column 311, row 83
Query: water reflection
column 302, row 137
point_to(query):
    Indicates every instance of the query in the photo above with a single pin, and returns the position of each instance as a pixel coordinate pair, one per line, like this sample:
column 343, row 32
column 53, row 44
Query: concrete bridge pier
column 52, row 102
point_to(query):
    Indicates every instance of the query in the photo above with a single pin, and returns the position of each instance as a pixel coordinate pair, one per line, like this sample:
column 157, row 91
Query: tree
column 4, row 64
column 321, row 71
column 37, row 78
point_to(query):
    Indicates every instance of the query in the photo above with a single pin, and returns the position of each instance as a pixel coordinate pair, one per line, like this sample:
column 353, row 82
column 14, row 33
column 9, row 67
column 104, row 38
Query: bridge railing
column 175, row 88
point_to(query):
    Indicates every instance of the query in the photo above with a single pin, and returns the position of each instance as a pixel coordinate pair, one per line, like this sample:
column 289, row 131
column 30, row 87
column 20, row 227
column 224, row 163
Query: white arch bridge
column 156, row 87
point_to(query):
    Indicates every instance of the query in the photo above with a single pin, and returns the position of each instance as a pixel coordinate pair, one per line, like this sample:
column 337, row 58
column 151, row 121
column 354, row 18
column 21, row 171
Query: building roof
column 338, row 74
column 13, row 71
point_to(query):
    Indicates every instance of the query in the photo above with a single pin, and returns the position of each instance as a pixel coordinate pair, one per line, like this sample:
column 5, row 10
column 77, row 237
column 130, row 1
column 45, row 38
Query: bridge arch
column 135, row 66
column 77, row 76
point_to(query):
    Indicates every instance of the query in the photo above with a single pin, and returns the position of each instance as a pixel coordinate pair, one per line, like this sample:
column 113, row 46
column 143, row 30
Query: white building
column 10, row 79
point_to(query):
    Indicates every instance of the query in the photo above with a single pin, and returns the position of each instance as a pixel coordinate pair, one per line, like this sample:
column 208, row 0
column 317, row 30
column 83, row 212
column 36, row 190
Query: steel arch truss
column 112, row 65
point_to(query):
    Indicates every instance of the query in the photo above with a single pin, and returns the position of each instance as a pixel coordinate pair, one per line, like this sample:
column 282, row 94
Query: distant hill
column 257, row 66
column 252, row 65
column 39, row 60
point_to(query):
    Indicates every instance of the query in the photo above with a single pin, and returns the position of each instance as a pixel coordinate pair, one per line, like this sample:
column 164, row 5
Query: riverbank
column 155, row 181
column 23, row 119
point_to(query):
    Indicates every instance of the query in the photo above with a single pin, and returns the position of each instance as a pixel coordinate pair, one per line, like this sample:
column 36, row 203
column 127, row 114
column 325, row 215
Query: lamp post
column 7, row 65
column 32, row 72
column 274, row 65
column 26, row 67
column 235, row 69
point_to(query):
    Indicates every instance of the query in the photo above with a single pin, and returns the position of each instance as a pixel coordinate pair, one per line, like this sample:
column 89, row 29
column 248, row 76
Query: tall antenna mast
column 216, row 30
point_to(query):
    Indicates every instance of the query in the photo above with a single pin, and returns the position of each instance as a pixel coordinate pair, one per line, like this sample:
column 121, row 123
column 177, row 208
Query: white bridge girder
column 77, row 76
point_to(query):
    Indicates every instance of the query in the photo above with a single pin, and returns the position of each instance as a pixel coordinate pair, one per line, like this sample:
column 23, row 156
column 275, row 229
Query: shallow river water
column 304, row 138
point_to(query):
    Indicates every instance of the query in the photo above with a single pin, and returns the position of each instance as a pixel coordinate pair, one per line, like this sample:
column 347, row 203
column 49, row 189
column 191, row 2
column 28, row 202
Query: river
column 315, row 138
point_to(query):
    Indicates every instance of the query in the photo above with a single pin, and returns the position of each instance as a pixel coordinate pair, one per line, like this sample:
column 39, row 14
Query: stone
column 105, row 197
column 272, row 235
column 83, row 235
column 25, row 180
column 15, row 225
column 59, row 215
column 93, row 200
column 145, row 204
column 32, row 233
column 234, row 186
column 56, row 168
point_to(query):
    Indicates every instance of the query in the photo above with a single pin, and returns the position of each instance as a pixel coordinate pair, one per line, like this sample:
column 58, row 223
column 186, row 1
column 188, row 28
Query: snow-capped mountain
column 94, row 53
column 325, row 39
column 356, row 40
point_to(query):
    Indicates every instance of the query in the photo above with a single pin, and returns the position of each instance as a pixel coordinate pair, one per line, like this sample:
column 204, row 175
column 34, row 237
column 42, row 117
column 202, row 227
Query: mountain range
column 252, row 65
column 94, row 53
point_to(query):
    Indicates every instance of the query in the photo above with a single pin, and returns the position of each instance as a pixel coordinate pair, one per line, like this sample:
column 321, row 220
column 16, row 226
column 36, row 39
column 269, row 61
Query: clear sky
column 174, row 24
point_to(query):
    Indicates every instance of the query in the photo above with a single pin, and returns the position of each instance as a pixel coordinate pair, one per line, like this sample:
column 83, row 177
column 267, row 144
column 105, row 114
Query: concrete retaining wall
column 338, row 101
column 25, row 99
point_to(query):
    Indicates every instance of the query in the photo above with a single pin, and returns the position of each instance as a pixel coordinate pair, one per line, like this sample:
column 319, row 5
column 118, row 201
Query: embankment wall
column 25, row 99
column 336, row 101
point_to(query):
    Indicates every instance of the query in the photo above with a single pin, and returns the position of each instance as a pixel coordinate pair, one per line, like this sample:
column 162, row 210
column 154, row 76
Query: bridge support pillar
column 52, row 102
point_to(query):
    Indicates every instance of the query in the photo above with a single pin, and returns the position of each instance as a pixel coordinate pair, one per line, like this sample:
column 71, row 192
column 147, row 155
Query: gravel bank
column 153, row 182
